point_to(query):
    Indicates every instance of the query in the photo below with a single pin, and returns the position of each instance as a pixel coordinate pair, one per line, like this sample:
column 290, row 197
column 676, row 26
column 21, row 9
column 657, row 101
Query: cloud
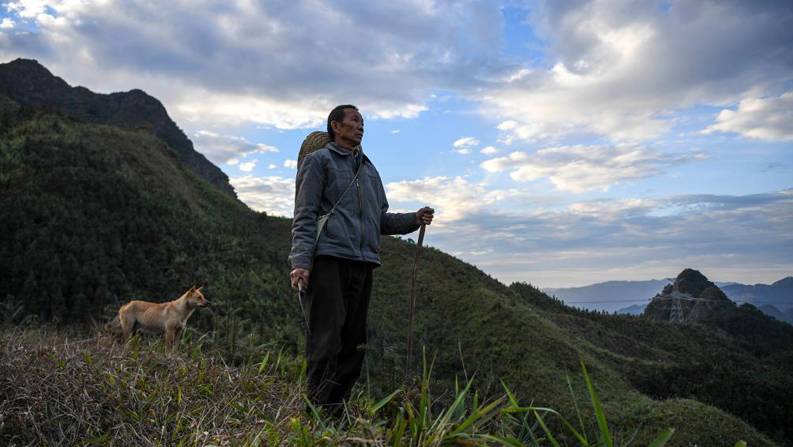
column 740, row 238
column 291, row 164
column 274, row 195
column 465, row 142
column 7, row 23
column 463, row 145
column 622, row 69
column 583, row 168
column 226, row 149
column 251, row 62
column 759, row 118
column 489, row 150
column 452, row 198
column 272, row 166
column 248, row 166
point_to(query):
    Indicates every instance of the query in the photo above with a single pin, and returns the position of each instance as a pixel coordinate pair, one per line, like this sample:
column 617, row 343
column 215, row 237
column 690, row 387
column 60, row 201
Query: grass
column 65, row 390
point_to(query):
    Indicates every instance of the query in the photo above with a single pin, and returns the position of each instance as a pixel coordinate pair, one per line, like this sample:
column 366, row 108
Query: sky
column 561, row 143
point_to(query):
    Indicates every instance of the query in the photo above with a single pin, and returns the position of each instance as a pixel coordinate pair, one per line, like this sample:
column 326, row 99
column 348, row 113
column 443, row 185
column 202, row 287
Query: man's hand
column 424, row 216
column 301, row 275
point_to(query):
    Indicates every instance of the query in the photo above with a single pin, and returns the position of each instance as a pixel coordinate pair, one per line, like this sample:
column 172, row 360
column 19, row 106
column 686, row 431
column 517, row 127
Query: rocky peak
column 692, row 282
column 29, row 83
column 29, row 78
column 691, row 297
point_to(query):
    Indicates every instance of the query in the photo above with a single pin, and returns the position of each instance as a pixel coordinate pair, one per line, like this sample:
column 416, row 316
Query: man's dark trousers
column 337, row 301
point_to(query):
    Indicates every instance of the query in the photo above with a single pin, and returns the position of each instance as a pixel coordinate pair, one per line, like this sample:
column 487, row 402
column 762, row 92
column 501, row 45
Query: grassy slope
column 97, row 183
column 58, row 388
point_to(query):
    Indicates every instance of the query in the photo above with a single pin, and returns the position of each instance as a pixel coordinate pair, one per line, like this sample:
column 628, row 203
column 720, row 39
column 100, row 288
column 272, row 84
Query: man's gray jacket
column 353, row 231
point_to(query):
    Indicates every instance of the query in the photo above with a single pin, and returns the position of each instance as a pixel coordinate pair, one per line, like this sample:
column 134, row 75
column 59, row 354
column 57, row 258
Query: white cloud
column 248, row 166
column 738, row 238
column 247, row 62
column 582, row 168
column 760, row 118
column 465, row 142
column 489, row 150
column 395, row 131
column 227, row 149
column 7, row 23
column 274, row 195
column 272, row 166
column 452, row 198
column 622, row 69
column 28, row 8
column 464, row 145
column 291, row 164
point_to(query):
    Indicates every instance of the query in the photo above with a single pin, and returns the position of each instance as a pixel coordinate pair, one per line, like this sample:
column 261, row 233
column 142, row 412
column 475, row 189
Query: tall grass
column 59, row 390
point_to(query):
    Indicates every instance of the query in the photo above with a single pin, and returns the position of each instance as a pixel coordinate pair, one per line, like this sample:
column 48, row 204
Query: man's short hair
column 337, row 114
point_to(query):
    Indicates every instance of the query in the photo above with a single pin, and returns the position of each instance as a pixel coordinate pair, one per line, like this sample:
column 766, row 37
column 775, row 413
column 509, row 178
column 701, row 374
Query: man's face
column 349, row 132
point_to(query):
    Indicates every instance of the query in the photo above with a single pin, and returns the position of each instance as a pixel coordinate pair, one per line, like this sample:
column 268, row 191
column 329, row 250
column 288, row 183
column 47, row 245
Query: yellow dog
column 168, row 318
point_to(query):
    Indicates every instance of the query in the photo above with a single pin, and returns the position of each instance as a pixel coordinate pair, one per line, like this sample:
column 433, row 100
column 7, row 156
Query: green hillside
column 94, row 215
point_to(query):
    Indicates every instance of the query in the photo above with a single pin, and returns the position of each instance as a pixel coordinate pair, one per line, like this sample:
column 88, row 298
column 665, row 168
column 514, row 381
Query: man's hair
column 337, row 114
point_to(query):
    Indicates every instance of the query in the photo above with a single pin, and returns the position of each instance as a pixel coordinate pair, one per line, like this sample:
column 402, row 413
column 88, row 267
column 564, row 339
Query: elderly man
column 336, row 264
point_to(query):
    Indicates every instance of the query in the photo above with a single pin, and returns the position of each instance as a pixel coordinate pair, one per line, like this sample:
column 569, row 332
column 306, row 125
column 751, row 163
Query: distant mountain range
column 631, row 297
column 610, row 296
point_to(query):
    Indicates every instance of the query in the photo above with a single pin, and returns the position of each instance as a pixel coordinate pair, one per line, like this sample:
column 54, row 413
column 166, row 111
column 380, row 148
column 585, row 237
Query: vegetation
column 58, row 390
column 95, row 215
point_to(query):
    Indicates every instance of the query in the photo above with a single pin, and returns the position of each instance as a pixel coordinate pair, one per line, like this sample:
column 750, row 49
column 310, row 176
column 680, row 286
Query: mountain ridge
column 27, row 82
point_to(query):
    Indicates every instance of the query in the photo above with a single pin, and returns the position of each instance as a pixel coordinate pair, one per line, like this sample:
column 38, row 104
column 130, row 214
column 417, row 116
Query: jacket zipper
column 360, row 215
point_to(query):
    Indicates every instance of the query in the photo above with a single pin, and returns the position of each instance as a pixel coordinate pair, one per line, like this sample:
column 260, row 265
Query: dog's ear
column 199, row 289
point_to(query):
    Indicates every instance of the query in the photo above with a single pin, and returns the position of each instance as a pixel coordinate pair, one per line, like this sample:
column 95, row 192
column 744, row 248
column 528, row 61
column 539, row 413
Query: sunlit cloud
column 247, row 166
column 243, row 62
column 453, row 198
column 465, row 145
column 621, row 69
column 274, row 195
column 594, row 241
column 583, row 168
column 489, row 150
column 227, row 149
column 465, row 142
column 759, row 118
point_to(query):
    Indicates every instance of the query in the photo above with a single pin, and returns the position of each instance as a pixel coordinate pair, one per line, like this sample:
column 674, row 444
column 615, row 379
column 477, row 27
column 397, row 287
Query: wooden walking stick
column 409, row 362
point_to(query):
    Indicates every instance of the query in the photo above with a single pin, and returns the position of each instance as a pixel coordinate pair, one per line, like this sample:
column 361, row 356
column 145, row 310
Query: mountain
column 772, row 311
column 635, row 309
column 692, row 297
column 609, row 296
column 29, row 83
column 616, row 296
column 95, row 214
column 778, row 294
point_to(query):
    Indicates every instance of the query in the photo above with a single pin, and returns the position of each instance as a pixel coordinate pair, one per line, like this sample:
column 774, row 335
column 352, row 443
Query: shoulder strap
column 346, row 189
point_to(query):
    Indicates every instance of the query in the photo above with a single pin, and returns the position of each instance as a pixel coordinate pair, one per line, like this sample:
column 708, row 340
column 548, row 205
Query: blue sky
column 562, row 143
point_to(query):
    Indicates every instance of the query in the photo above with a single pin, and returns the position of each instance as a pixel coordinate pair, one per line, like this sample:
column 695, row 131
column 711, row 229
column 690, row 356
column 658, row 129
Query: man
column 337, row 268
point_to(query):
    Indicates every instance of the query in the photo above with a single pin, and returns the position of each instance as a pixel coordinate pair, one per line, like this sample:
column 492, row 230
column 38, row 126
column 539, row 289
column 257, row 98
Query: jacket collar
column 346, row 153
column 341, row 151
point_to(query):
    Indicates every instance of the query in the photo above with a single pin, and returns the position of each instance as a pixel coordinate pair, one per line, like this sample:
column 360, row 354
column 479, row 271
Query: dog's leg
column 170, row 337
column 126, row 323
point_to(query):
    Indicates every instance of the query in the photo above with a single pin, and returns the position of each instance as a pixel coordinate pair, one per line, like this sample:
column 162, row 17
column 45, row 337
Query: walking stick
column 301, row 293
column 409, row 363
